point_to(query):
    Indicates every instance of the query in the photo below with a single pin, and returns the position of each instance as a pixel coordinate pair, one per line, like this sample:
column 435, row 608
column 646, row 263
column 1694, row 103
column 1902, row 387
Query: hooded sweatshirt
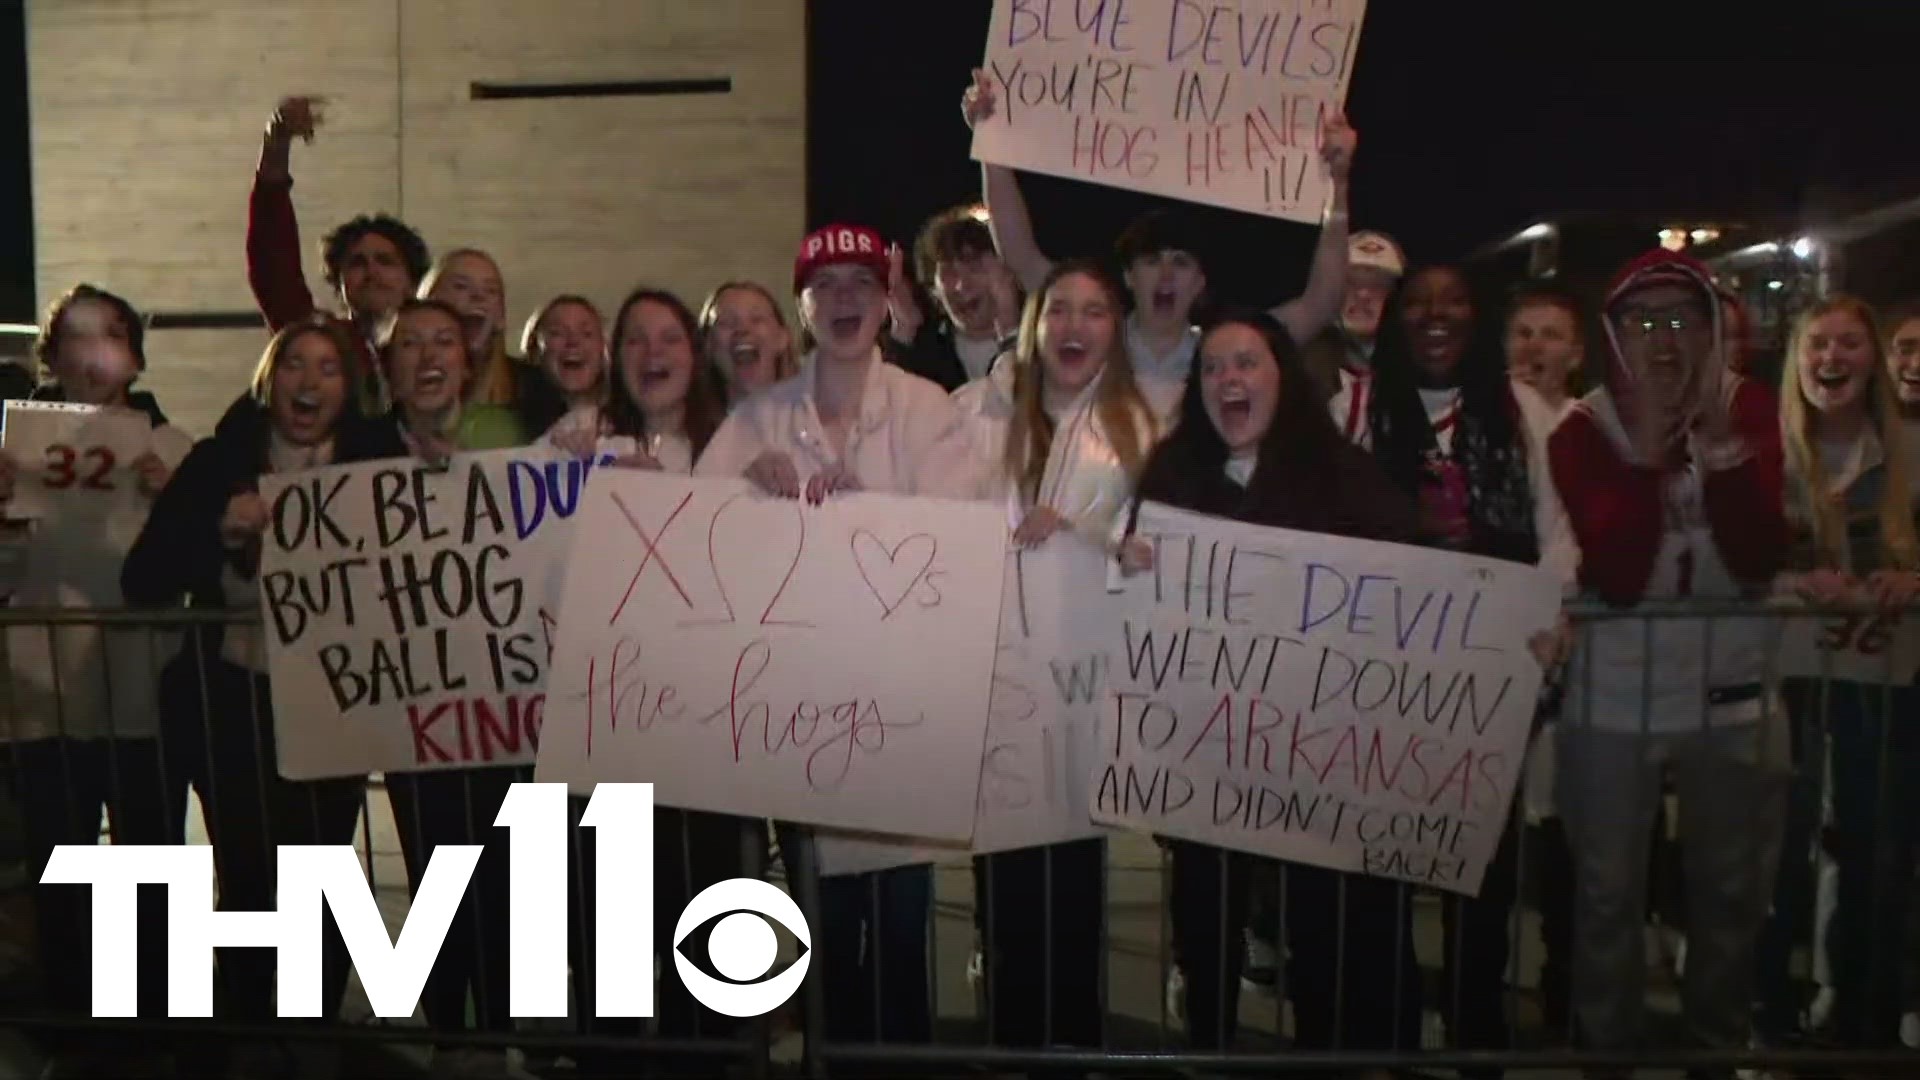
column 1705, row 524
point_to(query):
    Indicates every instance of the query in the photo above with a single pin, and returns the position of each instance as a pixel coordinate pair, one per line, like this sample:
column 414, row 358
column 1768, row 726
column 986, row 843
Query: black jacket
column 180, row 555
column 932, row 356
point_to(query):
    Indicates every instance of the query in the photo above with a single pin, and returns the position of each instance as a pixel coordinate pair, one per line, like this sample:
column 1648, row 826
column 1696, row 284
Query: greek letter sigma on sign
column 741, row 945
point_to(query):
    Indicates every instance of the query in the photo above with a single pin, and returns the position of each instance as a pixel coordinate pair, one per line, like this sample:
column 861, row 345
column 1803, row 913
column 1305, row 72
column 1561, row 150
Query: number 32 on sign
column 83, row 453
column 91, row 468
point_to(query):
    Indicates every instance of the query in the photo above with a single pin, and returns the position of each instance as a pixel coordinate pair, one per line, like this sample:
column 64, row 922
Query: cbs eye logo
column 741, row 947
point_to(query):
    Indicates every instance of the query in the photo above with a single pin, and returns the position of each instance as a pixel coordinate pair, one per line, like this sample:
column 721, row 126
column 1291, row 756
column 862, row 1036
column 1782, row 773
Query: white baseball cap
column 1376, row 251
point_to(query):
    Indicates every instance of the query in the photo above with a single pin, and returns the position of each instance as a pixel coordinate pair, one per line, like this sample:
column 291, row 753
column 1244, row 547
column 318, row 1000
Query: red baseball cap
column 837, row 244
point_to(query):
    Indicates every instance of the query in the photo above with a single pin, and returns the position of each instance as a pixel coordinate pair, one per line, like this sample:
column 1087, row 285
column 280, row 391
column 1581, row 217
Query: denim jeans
column 1875, row 763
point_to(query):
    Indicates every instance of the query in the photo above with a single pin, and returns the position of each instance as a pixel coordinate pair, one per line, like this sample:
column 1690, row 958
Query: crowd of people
column 1616, row 442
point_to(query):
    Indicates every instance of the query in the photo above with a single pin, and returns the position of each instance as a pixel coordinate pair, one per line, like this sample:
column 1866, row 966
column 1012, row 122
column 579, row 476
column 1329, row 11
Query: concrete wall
column 146, row 117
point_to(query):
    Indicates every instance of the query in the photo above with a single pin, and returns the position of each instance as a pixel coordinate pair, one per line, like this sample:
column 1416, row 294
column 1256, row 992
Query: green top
column 488, row 427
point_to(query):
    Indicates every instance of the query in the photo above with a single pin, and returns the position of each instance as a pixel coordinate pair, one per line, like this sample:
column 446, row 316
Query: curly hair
column 959, row 232
column 413, row 250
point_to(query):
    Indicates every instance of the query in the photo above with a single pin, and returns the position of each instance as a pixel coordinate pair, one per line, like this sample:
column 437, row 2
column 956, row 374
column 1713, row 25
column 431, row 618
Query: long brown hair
column 703, row 408
column 1804, row 467
column 327, row 326
column 1122, row 412
column 784, row 366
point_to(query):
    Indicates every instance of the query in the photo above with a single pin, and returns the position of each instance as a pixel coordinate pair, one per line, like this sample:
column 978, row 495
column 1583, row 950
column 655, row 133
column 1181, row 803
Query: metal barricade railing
column 931, row 969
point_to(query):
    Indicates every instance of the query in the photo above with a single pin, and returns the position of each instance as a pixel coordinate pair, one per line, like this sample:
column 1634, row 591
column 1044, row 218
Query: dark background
column 1475, row 117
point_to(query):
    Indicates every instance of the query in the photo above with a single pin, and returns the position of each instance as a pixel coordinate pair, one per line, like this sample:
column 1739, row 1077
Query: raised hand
column 902, row 306
column 1337, row 146
column 297, row 118
column 978, row 102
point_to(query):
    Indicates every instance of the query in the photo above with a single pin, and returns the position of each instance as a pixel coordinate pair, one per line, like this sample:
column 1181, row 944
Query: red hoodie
column 1671, row 530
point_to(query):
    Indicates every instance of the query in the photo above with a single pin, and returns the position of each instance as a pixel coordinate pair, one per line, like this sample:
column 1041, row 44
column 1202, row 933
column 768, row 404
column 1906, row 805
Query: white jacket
column 908, row 439
column 1084, row 480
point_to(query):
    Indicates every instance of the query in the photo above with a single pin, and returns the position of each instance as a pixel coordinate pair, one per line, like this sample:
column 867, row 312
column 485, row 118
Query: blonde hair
column 1118, row 405
column 493, row 376
column 1898, row 546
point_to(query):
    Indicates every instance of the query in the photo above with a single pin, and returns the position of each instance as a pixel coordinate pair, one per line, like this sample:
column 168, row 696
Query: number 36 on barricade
column 1868, row 648
column 84, row 455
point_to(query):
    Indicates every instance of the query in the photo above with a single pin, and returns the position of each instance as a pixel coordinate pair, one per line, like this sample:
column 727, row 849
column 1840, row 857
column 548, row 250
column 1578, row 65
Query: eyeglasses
column 1648, row 323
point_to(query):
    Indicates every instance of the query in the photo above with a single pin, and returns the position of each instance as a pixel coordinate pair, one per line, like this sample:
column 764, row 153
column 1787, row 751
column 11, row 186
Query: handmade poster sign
column 1212, row 101
column 409, row 610
column 828, row 665
column 1050, row 693
column 74, row 458
column 1881, row 649
column 1343, row 703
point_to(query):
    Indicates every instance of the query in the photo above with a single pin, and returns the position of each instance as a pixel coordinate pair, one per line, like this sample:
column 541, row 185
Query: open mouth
column 1164, row 298
column 429, row 380
column 1073, row 353
column 653, row 377
column 845, row 325
column 1235, row 406
column 1437, row 334
column 744, row 354
column 305, row 407
column 1910, row 384
column 571, row 363
column 1833, row 379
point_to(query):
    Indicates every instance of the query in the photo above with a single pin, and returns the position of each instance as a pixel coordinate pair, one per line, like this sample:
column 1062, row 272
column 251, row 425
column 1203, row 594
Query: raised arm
column 1006, row 208
column 273, row 232
column 1305, row 315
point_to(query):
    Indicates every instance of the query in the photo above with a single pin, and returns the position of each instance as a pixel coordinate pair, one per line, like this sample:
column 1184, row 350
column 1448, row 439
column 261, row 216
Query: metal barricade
column 1120, row 955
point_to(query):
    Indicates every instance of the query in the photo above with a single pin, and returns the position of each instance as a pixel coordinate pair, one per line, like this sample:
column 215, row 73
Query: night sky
column 1474, row 117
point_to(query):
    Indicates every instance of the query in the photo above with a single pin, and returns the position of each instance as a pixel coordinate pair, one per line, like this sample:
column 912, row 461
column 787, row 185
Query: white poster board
column 77, row 511
column 1343, row 703
column 1880, row 649
column 408, row 610
column 74, row 458
column 1050, row 694
column 826, row 665
column 1211, row 102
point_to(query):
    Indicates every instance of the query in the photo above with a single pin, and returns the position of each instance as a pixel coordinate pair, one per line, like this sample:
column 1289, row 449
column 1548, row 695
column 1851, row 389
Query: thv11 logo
column 741, row 945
